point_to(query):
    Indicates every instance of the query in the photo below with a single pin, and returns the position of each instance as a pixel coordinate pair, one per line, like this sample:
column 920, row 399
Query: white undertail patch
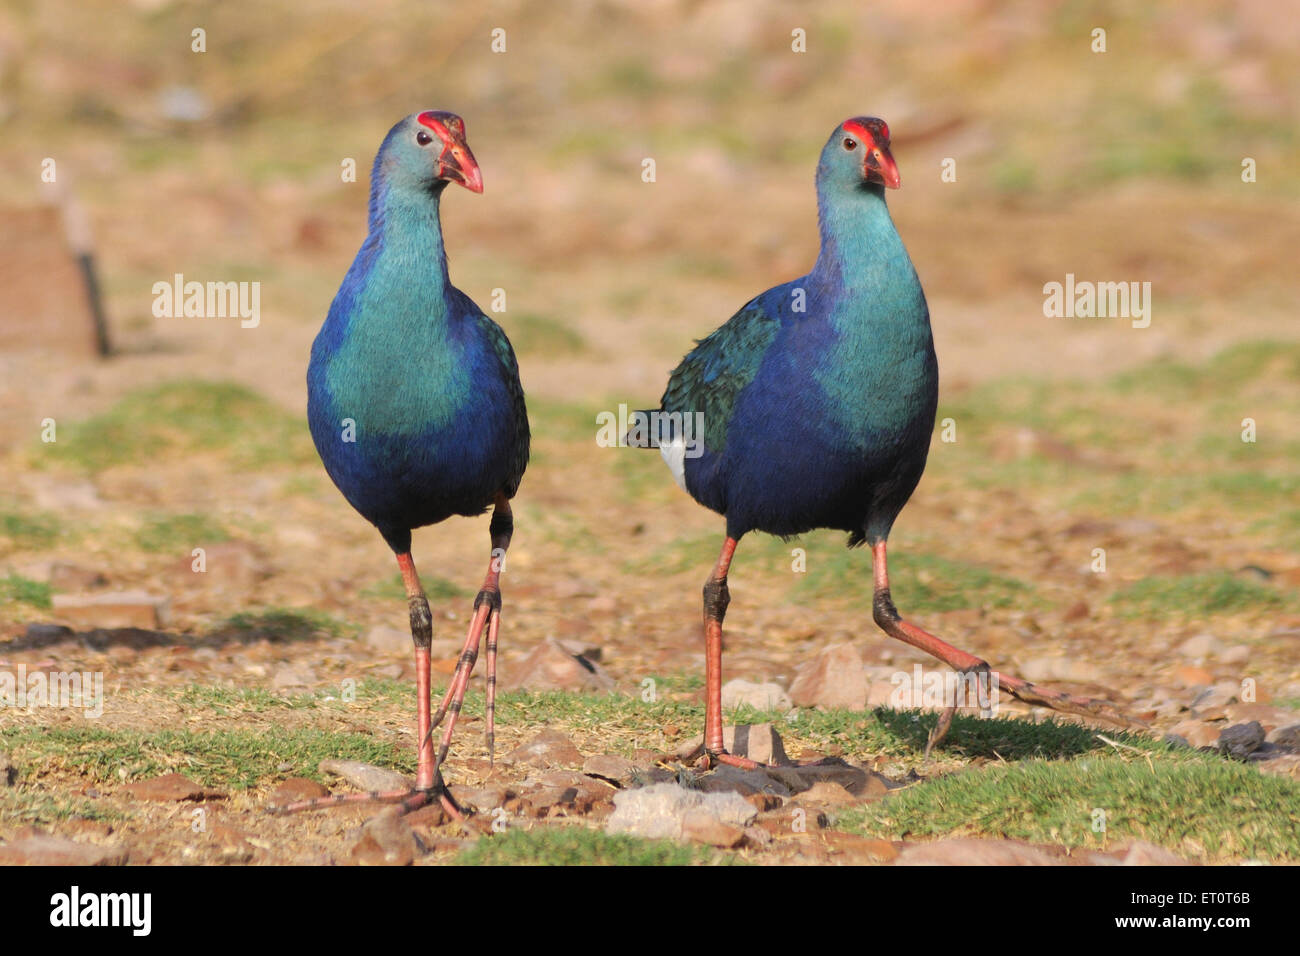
column 674, row 456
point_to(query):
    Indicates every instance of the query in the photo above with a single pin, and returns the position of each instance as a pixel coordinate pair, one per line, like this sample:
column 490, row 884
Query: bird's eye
column 423, row 138
column 850, row 143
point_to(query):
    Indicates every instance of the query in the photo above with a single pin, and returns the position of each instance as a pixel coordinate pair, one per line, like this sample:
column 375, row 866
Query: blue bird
column 415, row 404
column 812, row 407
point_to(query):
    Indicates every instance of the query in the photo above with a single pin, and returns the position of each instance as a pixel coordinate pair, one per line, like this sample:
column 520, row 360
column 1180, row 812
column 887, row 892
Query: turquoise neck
column 861, row 250
column 407, row 231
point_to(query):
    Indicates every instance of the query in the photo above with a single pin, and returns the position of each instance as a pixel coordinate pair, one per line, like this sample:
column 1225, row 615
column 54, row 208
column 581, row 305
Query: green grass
column 579, row 846
column 31, row 806
column 21, row 590
column 179, row 533
column 1202, row 807
column 235, row 759
column 542, row 335
column 280, row 624
column 1197, row 595
column 30, row 530
column 182, row 418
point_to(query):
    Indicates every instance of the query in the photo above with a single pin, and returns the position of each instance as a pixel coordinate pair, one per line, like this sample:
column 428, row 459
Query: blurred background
column 1073, row 434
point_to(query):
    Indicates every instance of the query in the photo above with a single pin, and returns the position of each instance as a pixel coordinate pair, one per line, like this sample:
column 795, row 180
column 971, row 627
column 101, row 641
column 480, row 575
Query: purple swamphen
column 415, row 404
column 816, row 402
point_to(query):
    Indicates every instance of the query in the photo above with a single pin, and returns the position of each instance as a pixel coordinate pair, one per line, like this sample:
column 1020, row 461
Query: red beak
column 881, row 168
column 459, row 165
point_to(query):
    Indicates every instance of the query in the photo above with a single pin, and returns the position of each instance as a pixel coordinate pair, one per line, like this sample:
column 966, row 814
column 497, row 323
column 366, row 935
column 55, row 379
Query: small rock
column 1190, row 675
column 1198, row 733
column 1269, row 717
column 366, row 777
column 39, row 633
column 1237, row 654
column 972, row 851
column 115, row 609
column 610, row 767
column 293, row 677
column 551, row 667
column 1141, row 853
column 701, row 826
column 738, row 692
column 386, row 840
column 1055, row 668
column 170, row 787
column 1288, row 738
column 1212, row 703
column 1241, row 740
column 853, row 850
column 550, row 748
column 592, row 652
column 880, row 693
column 658, row 811
column 45, row 850
column 1199, row 646
column 296, row 788
column 827, row 793
column 836, row 677
column 1287, row 765
column 388, row 640
column 482, row 799
column 758, row 742
column 857, row 781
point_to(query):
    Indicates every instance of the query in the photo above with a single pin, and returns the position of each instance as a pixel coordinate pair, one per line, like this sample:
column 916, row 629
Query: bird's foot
column 409, row 800
column 1040, row 696
column 712, row 759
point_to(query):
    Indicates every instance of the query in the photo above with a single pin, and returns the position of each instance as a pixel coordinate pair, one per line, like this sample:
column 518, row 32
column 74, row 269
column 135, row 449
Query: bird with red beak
column 415, row 405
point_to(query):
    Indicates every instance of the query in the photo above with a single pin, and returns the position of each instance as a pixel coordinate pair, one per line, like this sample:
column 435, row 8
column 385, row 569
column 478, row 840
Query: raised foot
column 1040, row 696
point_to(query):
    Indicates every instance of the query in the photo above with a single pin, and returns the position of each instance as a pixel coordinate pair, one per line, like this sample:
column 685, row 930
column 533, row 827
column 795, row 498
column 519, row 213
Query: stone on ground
column 669, row 811
column 835, row 678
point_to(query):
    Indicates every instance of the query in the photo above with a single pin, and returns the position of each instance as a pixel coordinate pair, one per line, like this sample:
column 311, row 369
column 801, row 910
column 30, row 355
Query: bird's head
column 858, row 153
column 426, row 151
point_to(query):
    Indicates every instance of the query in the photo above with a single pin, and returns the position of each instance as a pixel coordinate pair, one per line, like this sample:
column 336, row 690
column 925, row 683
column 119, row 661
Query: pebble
column 972, row 851
column 294, row 789
column 115, row 609
column 1241, row 740
column 45, row 850
column 386, row 840
column 550, row 748
column 1288, row 738
column 835, row 678
column 1212, row 703
column 366, row 777
column 610, row 767
column 661, row 811
column 758, row 742
column 551, row 667
column 738, row 692
column 170, row 787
